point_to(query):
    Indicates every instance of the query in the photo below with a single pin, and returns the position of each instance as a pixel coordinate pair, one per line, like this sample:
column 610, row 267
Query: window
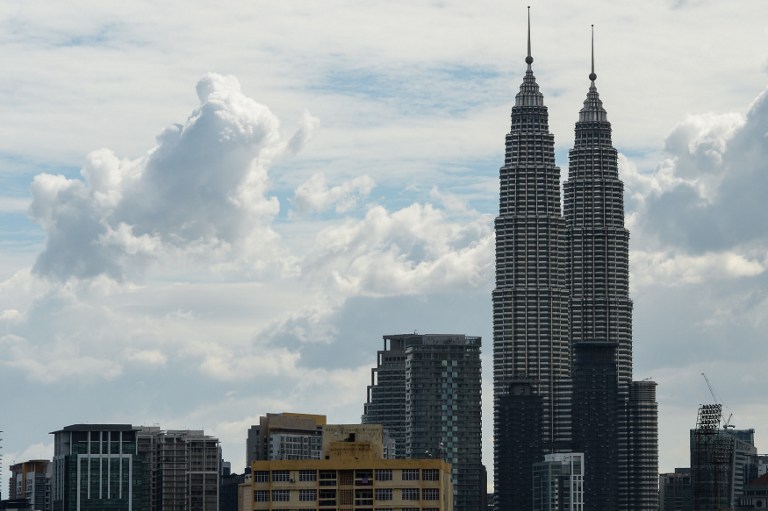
column 363, row 497
column 430, row 494
column 327, row 478
column 410, row 474
column 383, row 493
column 281, row 495
column 363, row 478
column 410, row 493
column 307, row 495
column 281, row 476
column 307, row 475
column 430, row 474
column 261, row 476
column 384, row 474
column 261, row 495
column 328, row 497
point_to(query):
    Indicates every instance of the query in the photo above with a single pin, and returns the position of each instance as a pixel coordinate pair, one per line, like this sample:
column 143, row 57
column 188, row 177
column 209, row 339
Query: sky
column 214, row 210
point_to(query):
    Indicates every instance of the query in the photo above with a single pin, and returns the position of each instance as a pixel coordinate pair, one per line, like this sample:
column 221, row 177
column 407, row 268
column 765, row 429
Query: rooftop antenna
column 529, row 59
column 592, row 75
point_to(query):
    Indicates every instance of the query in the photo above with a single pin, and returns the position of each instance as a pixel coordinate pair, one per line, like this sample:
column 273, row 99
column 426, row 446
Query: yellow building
column 352, row 476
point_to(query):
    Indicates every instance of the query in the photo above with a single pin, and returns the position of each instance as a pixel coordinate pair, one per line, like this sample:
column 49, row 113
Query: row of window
column 382, row 494
column 361, row 477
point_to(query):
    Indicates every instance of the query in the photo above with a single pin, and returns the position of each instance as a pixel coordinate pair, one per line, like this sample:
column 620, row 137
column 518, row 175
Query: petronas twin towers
column 562, row 316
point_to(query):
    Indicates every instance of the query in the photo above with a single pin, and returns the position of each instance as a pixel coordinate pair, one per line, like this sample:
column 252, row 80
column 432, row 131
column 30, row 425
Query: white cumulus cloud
column 202, row 191
column 314, row 195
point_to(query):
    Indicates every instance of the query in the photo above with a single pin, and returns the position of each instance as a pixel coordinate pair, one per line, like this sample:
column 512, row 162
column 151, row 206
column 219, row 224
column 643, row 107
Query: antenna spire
column 529, row 59
column 592, row 75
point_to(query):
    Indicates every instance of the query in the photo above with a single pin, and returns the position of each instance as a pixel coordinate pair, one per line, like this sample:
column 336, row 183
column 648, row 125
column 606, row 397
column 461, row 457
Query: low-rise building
column 353, row 475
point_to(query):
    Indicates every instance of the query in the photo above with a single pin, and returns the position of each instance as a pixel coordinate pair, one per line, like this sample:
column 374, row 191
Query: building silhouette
column 440, row 412
column 518, row 444
column 595, row 422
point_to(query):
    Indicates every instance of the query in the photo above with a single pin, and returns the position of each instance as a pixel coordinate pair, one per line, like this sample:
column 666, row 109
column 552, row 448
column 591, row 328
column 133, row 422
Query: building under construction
column 723, row 461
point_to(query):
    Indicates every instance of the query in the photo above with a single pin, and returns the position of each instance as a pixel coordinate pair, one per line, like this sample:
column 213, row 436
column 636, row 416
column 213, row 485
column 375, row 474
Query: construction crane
column 711, row 390
column 726, row 424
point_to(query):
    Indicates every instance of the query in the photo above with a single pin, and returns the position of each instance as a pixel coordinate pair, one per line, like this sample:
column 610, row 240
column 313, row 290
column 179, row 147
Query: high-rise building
column 518, row 444
column 675, row 490
column 441, row 409
column 595, row 422
column 597, row 275
column 184, row 472
column 723, row 462
column 638, row 483
column 598, row 243
column 562, row 284
column 97, row 467
column 31, row 481
column 530, row 301
column 385, row 403
column 558, row 483
column 285, row 436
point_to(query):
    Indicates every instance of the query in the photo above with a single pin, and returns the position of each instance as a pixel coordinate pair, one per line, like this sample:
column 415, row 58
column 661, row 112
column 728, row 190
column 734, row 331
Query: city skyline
column 377, row 205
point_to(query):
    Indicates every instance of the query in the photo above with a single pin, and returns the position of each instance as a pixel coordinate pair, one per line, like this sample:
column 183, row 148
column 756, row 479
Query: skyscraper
column 601, row 312
column 562, row 285
column 530, row 301
column 439, row 415
column 597, row 241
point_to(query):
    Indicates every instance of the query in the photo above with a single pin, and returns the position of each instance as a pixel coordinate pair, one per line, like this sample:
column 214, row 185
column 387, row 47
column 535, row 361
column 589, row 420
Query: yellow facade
column 352, row 484
column 353, row 476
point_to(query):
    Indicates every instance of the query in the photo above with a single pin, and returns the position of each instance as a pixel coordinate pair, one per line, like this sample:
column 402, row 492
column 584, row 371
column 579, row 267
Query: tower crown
column 529, row 94
column 593, row 110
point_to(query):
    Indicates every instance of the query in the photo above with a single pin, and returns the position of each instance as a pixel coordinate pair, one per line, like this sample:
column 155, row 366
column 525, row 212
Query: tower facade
column 518, row 445
column 530, row 300
column 597, row 241
column 597, row 274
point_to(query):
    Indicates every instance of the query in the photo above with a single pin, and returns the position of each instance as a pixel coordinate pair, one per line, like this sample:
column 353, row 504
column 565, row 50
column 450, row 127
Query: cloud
column 700, row 217
column 200, row 192
column 314, row 195
column 412, row 250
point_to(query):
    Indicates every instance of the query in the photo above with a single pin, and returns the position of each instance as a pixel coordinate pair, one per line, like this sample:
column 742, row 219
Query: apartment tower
column 440, row 412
